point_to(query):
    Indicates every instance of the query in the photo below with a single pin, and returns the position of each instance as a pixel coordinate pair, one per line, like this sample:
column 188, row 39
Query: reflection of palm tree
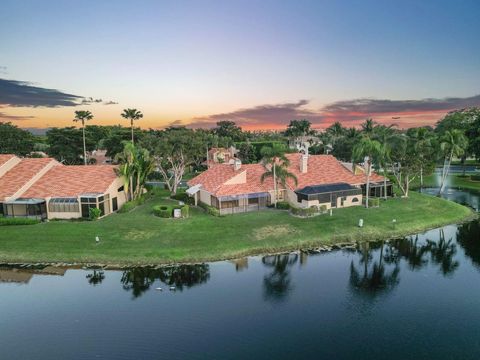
column 96, row 278
column 442, row 253
column 375, row 280
column 468, row 236
column 408, row 249
column 277, row 284
column 139, row 280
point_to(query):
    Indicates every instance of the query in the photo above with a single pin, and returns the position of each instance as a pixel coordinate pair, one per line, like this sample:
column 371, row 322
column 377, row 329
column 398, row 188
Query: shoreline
column 343, row 243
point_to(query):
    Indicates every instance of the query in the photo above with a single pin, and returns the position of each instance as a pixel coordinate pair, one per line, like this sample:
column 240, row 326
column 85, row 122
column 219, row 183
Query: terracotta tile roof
column 21, row 174
column 5, row 157
column 322, row 169
column 71, row 181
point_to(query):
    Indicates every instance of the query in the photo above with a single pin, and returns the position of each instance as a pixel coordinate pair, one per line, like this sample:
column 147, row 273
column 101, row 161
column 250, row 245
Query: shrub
column 183, row 196
column 373, row 202
column 305, row 212
column 283, row 205
column 5, row 221
column 94, row 213
column 163, row 211
column 185, row 211
column 475, row 177
column 323, row 208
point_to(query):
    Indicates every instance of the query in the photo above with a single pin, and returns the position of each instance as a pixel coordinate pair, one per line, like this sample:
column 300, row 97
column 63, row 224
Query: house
column 43, row 188
column 322, row 180
column 221, row 155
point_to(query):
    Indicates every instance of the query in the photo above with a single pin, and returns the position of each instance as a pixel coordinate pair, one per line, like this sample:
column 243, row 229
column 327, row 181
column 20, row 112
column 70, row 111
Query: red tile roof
column 322, row 169
column 5, row 157
column 71, row 181
column 21, row 174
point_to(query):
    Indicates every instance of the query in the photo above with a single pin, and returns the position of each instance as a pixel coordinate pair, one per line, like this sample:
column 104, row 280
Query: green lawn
column 453, row 180
column 139, row 237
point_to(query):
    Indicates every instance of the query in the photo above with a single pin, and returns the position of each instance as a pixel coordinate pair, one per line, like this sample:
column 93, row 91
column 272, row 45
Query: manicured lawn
column 453, row 180
column 139, row 237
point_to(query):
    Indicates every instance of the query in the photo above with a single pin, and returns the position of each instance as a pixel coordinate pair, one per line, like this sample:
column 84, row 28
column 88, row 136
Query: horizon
column 259, row 64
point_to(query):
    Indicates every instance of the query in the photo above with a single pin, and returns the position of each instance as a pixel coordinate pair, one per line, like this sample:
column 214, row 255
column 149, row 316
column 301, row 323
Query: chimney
column 304, row 163
column 237, row 164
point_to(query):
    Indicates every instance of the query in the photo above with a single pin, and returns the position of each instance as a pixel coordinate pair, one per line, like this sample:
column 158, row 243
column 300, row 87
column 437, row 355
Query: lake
column 411, row 298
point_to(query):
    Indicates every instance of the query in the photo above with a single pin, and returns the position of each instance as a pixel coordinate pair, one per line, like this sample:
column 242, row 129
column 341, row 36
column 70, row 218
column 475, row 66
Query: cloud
column 7, row 117
column 110, row 103
column 405, row 113
column 21, row 93
column 263, row 116
column 3, row 69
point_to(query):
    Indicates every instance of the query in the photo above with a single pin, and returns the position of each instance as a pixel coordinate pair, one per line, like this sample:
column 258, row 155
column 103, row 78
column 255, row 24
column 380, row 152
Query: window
column 121, row 188
column 63, row 205
column 252, row 201
column 355, row 200
column 229, row 204
column 214, row 202
column 114, row 204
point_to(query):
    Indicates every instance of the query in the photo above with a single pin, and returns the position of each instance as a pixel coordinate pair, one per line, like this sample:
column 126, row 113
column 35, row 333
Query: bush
column 6, row 221
column 185, row 211
column 283, row 205
column 94, row 213
column 373, row 202
column 183, row 196
column 210, row 209
column 163, row 211
column 305, row 212
column 475, row 177
column 323, row 208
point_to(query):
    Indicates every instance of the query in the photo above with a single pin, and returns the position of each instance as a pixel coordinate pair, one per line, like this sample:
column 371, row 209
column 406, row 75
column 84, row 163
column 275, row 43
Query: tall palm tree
column 126, row 170
column 132, row 114
column 368, row 127
column 384, row 134
column 423, row 147
column 335, row 132
column 144, row 166
column 83, row 116
column 275, row 162
column 369, row 150
column 453, row 143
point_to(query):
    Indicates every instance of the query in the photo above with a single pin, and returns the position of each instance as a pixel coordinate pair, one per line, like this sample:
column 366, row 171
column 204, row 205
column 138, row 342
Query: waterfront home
column 43, row 188
column 323, row 181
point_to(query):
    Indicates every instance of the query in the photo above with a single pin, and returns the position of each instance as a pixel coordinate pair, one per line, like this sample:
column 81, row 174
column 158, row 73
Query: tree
column 383, row 134
column 117, row 137
column 135, row 166
column 453, row 143
column 369, row 150
column 368, row 127
column 246, row 152
column 66, row 145
column 14, row 140
column 299, row 129
column 343, row 149
column 229, row 129
column 334, row 132
column 83, row 116
column 173, row 150
column 132, row 114
column 424, row 146
column 276, row 164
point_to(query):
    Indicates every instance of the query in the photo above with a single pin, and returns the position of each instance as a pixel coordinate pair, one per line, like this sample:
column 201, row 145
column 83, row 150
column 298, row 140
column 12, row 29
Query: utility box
column 360, row 223
column 177, row 213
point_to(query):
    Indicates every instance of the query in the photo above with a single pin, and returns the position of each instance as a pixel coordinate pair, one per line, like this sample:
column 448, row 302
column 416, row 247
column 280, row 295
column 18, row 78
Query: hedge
column 283, row 205
column 210, row 209
column 183, row 196
column 475, row 177
column 373, row 202
column 166, row 211
column 305, row 211
column 5, row 221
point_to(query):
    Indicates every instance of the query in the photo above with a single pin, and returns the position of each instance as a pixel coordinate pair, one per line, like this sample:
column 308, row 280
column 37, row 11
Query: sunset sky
column 259, row 63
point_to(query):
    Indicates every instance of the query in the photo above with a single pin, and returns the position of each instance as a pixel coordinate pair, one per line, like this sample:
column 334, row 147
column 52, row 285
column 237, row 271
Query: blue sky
column 257, row 62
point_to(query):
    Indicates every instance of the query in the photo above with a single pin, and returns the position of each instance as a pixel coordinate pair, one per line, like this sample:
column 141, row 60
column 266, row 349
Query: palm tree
column 275, row 162
column 144, row 166
column 82, row 115
column 423, row 147
column 384, row 135
column 368, row 127
column 335, row 132
column 132, row 114
column 453, row 143
column 126, row 169
column 368, row 150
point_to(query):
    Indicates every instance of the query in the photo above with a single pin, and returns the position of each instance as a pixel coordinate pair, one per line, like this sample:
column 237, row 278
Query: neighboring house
column 100, row 157
column 322, row 180
column 221, row 156
column 43, row 188
column 302, row 143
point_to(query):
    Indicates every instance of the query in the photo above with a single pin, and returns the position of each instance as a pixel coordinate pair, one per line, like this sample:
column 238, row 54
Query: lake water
column 412, row 298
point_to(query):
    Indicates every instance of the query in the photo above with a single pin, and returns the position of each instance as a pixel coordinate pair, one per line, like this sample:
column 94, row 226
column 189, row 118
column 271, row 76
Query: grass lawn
column 453, row 180
column 139, row 237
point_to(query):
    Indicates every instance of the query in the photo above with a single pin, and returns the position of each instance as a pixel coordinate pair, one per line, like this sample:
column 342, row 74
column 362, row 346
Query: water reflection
column 468, row 236
column 278, row 283
column 372, row 278
column 96, row 277
column 139, row 280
